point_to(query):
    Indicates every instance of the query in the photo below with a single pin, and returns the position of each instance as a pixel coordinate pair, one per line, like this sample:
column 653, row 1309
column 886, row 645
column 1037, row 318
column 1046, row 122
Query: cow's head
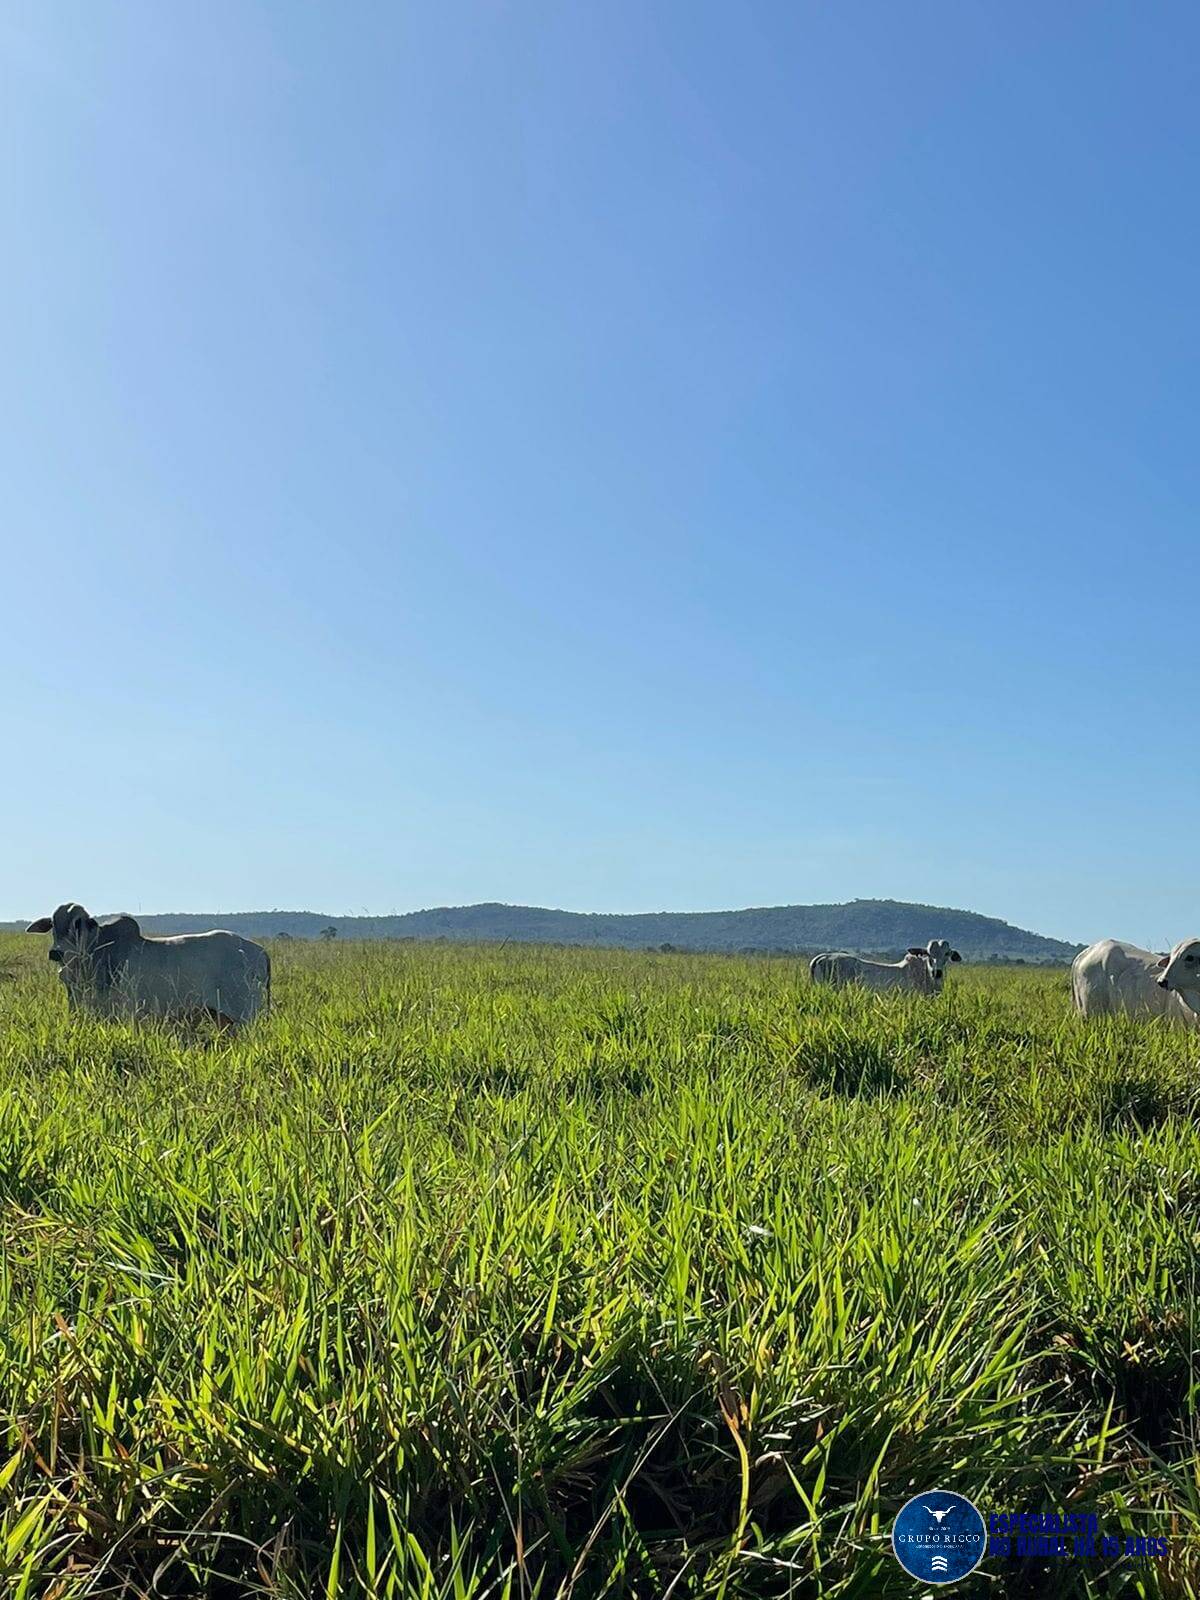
column 940, row 954
column 73, row 934
column 91, row 955
column 1180, row 971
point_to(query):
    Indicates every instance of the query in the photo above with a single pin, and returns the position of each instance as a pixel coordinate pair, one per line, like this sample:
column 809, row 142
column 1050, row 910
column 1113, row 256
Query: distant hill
column 862, row 925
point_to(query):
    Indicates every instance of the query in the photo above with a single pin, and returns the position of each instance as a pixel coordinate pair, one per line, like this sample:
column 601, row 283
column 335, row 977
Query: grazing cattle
column 1110, row 978
column 1180, row 976
column 112, row 968
column 913, row 975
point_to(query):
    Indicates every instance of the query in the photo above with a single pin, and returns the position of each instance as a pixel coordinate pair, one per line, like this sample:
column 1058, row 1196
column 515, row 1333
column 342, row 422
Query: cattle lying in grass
column 111, row 968
column 1110, row 979
column 915, row 974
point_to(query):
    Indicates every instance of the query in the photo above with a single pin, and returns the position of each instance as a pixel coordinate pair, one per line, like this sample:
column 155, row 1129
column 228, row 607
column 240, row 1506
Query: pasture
column 526, row 1272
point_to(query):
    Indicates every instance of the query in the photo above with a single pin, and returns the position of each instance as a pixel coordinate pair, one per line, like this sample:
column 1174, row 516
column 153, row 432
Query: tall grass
column 517, row 1272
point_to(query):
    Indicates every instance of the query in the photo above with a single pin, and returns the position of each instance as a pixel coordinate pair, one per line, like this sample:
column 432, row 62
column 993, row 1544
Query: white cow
column 1110, row 978
column 112, row 968
column 939, row 954
column 1179, row 977
column 915, row 974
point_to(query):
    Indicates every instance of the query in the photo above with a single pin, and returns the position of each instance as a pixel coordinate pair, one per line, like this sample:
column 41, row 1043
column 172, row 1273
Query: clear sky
column 617, row 456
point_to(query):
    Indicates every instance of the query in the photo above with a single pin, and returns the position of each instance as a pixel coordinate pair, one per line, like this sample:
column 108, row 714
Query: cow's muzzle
column 56, row 955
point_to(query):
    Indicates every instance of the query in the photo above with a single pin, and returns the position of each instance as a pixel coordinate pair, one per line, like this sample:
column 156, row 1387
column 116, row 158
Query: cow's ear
column 916, row 950
column 954, row 956
column 1163, row 961
column 42, row 925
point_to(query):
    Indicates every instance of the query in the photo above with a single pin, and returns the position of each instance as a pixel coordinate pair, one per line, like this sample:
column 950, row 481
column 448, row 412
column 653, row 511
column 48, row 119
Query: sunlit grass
column 480, row 1272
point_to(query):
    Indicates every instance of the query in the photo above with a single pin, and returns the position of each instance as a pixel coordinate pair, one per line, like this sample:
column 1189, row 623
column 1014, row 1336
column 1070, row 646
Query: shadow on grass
column 838, row 1059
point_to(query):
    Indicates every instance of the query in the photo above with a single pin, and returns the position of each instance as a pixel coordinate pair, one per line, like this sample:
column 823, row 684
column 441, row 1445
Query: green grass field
column 478, row 1271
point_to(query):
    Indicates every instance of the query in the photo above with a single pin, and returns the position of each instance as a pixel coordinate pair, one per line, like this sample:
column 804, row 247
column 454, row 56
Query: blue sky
column 613, row 456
